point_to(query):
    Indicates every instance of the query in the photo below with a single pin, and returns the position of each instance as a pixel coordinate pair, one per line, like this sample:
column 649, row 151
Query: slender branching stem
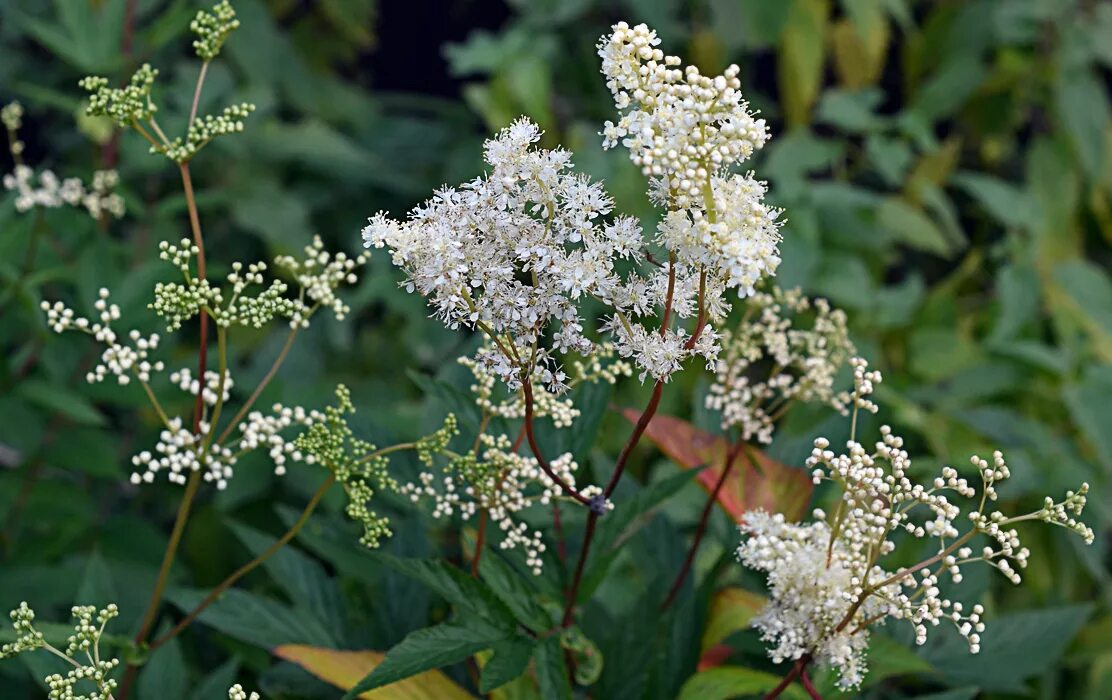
column 250, row 566
column 619, row 466
column 700, row 530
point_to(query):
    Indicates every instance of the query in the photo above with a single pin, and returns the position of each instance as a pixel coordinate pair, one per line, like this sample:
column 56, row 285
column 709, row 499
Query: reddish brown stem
column 527, row 389
column 194, row 482
column 731, row 457
column 479, row 539
column 797, row 669
column 809, row 686
column 558, row 526
column 623, row 457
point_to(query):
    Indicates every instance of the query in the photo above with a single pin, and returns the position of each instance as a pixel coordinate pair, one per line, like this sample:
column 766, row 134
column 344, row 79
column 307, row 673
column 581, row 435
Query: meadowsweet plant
column 827, row 578
column 206, row 445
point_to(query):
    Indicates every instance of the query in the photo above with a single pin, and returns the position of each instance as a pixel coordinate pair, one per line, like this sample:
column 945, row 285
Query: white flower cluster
column 555, row 404
column 516, row 249
column 120, row 360
column 50, row 193
column 319, row 275
column 680, row 125
column 826, row 585
column 236, row 692
column 787, row 348
column 520, row 248
column 82, row 652
column 185, row 381
column 265, row 431
column 685, row 130
column 180, row 452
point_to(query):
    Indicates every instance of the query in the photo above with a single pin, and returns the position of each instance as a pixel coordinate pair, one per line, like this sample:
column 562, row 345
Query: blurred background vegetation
column 945, row 166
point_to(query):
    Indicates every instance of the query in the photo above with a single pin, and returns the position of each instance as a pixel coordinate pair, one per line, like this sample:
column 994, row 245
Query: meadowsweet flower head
column 515, row 250
column 212, row 29
column 679, row 125
column 788, row 348
column 827, row 581
column 127, row 105
column 358, row 465
column 89, row 671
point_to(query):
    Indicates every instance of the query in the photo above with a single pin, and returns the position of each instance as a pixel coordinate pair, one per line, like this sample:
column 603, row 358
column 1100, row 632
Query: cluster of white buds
column 319, row 277
column 504, row 483
column 11, row 116
column 236, row 692
column 82, row 652
column 554, row 403
column 680, row 125
column 264, row 431
column 207, row 128
column 685, row 130
column 127, row 105
column 827, row 585
column 320, row 274
column 212, row 29
column 118, row 359
column 210, row 394
column 499, row 480
column 864, row 381
column 180, row 452
column 786, row 349
column 50, row 193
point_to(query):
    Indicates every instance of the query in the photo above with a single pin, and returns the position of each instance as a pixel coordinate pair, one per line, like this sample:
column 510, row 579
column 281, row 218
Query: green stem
column 249, row 566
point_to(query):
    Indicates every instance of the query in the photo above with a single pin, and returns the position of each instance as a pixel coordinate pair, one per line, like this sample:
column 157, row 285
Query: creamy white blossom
column 787, row 349
column 827, row 581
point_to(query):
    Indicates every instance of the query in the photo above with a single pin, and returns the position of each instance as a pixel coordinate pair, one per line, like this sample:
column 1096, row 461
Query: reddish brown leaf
column 756, row 480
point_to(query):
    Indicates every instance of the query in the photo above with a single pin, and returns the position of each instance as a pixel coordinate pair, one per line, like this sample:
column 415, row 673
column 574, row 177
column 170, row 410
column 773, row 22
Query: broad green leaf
column 510, row 660
column 910, row 226
column 344, row 669
column 513, row 589
column 165, row 676
column 60, row 399
column 427, row 649
column 216, row 683
column 1003, row 200
column 620, row 524
column 801, row 58
column 726, row 682
column 1090, row 405
column 1014, row 647
column 254, row 619
column 552, row 671
column 889, row 658
column 1082, row 104
column 454, row 586
column 304, row 581
column 730, row 611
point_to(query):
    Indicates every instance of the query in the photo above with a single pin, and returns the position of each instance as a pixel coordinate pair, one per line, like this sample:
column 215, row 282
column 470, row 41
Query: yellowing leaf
column 802, row 52
column 731, row 609
column 344, row 669
column 859, row 59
